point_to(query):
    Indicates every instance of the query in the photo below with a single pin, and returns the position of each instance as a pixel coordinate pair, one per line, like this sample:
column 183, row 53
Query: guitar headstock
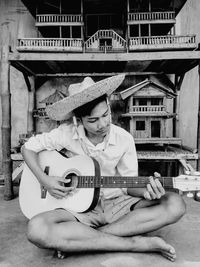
column 187, row 183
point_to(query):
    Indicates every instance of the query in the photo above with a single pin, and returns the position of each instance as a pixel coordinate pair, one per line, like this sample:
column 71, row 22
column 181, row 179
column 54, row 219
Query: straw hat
column 82, row 93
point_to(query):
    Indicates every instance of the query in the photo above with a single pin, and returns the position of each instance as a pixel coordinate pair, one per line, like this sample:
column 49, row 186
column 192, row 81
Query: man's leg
column 59, row 230
column 148, row 216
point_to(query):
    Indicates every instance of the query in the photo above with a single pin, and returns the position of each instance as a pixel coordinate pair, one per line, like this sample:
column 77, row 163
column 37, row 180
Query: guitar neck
column 120, row 182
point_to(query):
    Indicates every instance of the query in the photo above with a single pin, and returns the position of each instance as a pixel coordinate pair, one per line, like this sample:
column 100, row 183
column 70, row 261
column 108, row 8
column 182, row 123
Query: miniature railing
column 49, row 44
column 161, row 42
column 141, row 109
column 139, row 16
column 105, row 48
column 118, row 43
column 59, row 19
column 93, row 41
column 40, row 113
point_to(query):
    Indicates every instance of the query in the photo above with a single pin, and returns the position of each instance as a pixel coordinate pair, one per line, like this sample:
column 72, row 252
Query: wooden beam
column 180, row 81
column 82, row 74
column 134, row 56
column 53, row 66
column 27, row 82
column 6, row 122
column 31, row 106
column 21, row 67
column 166, row 78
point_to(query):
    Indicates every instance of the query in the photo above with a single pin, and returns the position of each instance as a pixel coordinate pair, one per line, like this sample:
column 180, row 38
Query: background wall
column 15, row 22
column 188, row 23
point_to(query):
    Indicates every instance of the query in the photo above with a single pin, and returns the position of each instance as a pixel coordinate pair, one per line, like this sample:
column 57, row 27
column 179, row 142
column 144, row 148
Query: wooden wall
column 188, row 22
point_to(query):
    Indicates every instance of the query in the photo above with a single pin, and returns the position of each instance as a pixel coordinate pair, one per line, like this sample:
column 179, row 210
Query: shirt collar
column 81, row 132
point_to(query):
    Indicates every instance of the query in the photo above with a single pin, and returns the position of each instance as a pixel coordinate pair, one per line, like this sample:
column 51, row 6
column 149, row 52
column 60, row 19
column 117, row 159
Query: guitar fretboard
column 120, row 182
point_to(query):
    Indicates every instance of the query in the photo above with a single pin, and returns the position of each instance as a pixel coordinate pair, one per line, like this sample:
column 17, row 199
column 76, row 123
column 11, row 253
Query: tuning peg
column 190, row 195
column 197, row 196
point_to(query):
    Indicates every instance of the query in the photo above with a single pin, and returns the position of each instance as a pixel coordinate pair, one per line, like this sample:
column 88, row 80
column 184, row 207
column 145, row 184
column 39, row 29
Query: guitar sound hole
column 74, row 180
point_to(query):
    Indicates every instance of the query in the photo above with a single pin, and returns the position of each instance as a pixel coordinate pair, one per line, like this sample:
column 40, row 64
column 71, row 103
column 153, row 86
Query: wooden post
column 60, row 27
column 6, row 122
column 31, row 106
column 198, row 127
column 175, row 107
column 128, row 27
column 178, row 83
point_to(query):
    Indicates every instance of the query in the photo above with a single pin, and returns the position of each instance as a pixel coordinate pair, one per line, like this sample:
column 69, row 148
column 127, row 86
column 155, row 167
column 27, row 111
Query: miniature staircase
column 93, row 43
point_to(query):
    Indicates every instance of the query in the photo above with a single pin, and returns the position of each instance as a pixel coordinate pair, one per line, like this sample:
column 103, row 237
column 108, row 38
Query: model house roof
column 148, row 82
column 56, row 96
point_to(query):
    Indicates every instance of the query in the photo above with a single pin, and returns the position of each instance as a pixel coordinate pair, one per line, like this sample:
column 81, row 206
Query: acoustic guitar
column 85, row 176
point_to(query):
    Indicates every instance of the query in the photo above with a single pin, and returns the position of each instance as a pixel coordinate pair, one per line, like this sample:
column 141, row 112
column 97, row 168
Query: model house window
column 156, row 101
column 134, row 31
column 142, row 102
column 144, row 29
column 140, row 125
column 133, row 102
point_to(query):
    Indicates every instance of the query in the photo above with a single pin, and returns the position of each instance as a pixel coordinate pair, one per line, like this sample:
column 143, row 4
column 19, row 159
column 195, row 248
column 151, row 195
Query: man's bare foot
column 154, row 244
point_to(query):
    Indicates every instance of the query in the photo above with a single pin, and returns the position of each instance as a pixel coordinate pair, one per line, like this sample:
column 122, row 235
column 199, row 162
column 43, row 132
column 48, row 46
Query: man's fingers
column 66, row 181
column 158, row 183
column 64, row 188
column 147, row 195
column 154, row 185
column 151, row 192
column 60, row 193
column 160, row 187
column 157, row 174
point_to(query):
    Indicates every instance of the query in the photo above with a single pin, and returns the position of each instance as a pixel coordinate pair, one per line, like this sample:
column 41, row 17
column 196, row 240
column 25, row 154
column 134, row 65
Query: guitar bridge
column 42, row 188
column 43, row 191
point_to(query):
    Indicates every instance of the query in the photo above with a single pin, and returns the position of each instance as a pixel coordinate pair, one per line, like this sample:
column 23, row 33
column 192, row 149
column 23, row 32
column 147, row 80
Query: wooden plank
column 134, row 56
column 160, row 155
column 165, row 155
column 6, row 122
column 84, row 74
column 172, row 140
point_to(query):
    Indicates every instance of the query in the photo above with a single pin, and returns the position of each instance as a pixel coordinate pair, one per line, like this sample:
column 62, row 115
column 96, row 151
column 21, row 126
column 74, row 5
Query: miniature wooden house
column 41, row 112
column 105, row 26
column 146, row 108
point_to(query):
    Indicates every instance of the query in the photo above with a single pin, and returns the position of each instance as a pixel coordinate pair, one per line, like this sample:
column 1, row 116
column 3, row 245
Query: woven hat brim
column 62, row 109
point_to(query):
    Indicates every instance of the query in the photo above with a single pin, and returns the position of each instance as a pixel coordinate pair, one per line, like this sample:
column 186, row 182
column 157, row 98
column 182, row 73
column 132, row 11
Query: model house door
column 155, row 128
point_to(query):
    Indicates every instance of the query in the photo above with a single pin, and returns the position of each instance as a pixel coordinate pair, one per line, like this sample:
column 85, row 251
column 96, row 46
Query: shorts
column 107, row 211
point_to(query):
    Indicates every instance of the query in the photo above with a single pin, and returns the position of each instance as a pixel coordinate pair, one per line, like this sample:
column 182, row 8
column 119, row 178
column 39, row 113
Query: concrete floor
column 17, row 251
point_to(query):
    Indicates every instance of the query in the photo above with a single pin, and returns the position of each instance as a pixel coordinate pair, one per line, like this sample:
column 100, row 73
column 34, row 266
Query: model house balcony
column 50, row 44
column 162, row 42
column 148, row 109
column 59, row 20
column 151, row 17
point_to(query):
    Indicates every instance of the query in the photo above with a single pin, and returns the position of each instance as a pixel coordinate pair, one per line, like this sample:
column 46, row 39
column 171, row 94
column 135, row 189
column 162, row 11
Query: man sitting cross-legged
column 122, row 216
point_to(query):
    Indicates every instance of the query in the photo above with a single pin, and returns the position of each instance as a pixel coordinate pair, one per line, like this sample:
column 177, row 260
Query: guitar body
column 83, row 199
